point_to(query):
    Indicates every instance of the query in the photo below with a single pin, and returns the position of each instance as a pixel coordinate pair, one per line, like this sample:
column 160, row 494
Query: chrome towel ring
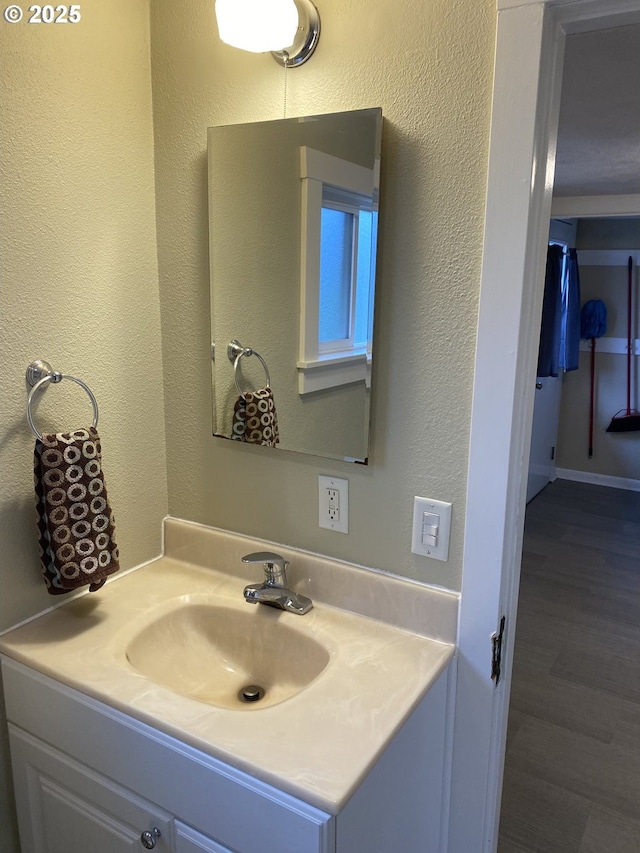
column 39, row 375
column 235, row 352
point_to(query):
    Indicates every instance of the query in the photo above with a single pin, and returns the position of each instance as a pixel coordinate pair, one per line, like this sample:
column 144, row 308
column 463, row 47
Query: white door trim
column 526, row 103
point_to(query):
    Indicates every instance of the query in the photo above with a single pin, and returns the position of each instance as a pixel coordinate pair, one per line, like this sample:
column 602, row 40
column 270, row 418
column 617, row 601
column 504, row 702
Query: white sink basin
column 171, row 643
column 212, row 653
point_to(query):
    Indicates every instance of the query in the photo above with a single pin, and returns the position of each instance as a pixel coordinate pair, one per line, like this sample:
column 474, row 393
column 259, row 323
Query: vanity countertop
column 318, row 744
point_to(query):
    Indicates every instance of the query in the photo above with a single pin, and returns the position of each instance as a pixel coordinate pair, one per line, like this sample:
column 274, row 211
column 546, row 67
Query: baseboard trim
column 599, row 479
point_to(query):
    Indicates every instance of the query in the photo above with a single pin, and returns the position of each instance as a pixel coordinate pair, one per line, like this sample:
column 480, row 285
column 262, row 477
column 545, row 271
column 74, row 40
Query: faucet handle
column 274, row 566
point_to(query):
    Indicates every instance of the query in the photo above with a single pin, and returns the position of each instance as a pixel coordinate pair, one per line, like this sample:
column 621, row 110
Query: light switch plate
column 333, row 502
column 424, row 544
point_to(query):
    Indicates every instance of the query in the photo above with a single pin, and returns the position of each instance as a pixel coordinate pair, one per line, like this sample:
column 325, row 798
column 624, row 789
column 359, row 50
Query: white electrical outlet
column 431, row 528
column 333, row 502
column 334, row 505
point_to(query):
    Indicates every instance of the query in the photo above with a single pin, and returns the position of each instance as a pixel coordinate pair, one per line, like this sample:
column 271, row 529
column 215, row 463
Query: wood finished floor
column 572, row 774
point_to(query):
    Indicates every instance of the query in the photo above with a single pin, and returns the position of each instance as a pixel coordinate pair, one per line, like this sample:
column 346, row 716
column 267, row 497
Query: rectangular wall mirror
column 293, row 216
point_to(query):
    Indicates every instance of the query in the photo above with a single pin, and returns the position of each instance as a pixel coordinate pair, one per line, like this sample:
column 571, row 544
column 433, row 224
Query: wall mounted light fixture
column 289, row 29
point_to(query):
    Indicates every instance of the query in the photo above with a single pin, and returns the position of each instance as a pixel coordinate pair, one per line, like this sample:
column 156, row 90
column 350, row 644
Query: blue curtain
column 549, row 351
column 570, row 325
column 560, row 329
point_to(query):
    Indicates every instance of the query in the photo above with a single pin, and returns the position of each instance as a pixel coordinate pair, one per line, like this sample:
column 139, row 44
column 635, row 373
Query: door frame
column 524, row 125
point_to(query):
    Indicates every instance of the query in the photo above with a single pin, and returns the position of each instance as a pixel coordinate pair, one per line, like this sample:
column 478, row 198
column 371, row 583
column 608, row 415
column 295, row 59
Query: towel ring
column 235, row 352
column 42, row 369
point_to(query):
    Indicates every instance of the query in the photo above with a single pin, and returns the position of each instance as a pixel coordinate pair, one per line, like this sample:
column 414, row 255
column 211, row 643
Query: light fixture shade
column 257, row 25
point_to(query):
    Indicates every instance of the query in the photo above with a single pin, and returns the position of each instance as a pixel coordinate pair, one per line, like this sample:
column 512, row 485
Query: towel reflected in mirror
column 254, row 418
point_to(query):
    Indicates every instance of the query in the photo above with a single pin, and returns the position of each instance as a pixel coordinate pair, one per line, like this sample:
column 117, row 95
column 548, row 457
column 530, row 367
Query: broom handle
column 629, row 306
column 593, row 378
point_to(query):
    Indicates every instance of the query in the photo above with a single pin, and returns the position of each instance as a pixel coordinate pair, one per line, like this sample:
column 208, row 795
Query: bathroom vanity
column 346, row 755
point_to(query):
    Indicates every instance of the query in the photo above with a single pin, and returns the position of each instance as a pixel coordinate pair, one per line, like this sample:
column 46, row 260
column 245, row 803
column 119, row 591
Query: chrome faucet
column 273, row 590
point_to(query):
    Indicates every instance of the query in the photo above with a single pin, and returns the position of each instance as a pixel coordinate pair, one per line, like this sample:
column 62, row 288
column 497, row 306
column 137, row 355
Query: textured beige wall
column 78, row 279
column 429, row 67
column 614, row 233
column 614, row 454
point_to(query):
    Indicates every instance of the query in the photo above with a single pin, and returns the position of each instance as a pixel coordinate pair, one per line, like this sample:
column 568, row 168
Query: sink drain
column 251, row 693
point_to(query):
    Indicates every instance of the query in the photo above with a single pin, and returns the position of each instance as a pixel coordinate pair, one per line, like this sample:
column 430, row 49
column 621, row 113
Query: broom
column 593, row 324
column 627, row 420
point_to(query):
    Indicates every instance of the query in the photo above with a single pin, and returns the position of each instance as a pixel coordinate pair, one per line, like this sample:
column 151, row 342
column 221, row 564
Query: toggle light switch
column 431, row 528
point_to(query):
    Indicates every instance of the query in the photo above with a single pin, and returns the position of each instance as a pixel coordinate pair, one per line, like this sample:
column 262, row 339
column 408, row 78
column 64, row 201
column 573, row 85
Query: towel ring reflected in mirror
column 235, row 352
column 39, row 375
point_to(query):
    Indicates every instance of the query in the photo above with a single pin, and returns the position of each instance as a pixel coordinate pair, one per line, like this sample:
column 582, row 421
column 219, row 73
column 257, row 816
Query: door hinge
column 496, row 652
column 553, row 452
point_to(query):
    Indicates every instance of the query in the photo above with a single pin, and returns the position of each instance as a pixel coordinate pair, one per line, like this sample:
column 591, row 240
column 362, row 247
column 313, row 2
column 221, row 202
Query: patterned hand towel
column 75, row 523
column 254, row 418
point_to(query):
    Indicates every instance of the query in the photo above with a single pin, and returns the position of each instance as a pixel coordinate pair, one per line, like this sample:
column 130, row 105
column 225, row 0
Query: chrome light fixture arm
column 307, row 37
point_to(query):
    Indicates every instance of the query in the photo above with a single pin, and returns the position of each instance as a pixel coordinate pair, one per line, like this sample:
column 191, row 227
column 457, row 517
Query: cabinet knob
column 148, row 839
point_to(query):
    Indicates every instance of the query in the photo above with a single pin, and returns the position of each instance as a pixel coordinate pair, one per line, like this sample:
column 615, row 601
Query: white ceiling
column 599, row 133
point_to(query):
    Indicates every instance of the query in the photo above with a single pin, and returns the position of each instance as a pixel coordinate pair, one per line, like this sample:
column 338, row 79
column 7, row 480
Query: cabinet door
column 190, row 841
column 64, row 807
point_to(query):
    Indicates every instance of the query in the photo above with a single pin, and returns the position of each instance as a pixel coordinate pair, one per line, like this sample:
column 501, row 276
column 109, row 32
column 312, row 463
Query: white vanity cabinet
column 87, row 771
column 64, row 806
column 188, row 840
column 89, row 777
